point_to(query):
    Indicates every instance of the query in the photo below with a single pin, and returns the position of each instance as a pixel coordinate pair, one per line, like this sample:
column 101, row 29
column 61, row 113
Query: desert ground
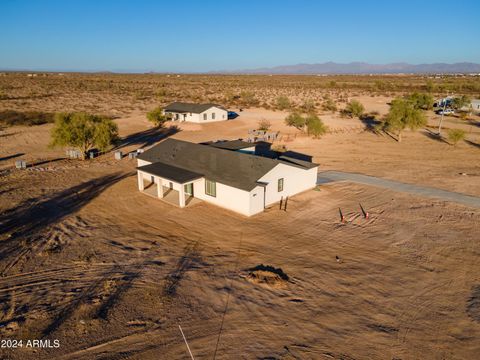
column 111, row 273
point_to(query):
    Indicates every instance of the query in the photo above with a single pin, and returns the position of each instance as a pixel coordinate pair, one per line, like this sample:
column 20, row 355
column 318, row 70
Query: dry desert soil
column 111, row 273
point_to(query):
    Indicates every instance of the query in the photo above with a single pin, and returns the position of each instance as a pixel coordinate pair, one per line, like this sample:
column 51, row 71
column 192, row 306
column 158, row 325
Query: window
column 213, row 116
column 210, row 188
column 280, row 185
column 204, row 116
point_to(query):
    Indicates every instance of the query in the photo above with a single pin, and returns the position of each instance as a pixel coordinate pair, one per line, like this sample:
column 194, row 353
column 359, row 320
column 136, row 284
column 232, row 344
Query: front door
column 189, row 189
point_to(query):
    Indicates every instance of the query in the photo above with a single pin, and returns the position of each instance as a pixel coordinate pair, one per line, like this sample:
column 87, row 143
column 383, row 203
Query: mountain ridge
column 358, row 67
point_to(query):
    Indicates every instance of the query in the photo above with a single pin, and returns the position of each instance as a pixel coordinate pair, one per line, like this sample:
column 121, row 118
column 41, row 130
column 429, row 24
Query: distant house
column 228, row 174
column 198, row 113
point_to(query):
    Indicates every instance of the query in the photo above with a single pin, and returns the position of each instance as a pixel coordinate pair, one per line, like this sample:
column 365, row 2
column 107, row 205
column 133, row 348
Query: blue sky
column 195, row 36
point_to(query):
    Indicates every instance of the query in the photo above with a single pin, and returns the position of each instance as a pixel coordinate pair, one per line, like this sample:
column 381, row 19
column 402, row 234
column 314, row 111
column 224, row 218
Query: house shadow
column 13, row 156
column 22, row 225
column 147, row 137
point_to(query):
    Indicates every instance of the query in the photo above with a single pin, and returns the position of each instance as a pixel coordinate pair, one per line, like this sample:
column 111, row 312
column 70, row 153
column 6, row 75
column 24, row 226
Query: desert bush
column 247, row 98
column 455, row 136
column 28, row 118
column 354, row 109
column 296, row 120
column 403, row 114
column 83, row 132
column 283, row 103
column 308, row 106
column 157, row 117
column 329, row 105
column 264, row 125
column 315, row 126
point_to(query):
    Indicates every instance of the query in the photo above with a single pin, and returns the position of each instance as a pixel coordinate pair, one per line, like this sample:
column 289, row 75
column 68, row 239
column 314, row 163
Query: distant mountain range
column 366, row 68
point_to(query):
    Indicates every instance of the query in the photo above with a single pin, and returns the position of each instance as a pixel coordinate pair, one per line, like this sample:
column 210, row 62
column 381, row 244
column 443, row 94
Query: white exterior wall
column 295, row 180
column 257, row 204
column 227, row 197
column 220, row 115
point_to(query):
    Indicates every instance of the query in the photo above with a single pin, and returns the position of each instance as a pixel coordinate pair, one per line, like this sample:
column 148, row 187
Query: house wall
column 227, row 197
column 295, row 181
column 257, row 200
column 142, row 162
column 220, row 115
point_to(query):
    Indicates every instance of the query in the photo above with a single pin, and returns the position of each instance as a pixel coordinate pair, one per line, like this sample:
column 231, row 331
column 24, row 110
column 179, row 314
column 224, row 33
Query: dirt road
column 330, row 176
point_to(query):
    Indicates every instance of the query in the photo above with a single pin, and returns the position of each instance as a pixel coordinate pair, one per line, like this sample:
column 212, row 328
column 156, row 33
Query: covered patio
column 168, row 183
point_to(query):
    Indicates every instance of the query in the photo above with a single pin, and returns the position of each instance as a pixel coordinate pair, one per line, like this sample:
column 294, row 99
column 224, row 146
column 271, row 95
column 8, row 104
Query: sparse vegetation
column 455, row 136
column 315, row 126
column 264, row 125
column 353, row 109
column 329, row 105
column 157, row 117
column 403, row 114
column 28, row 118
column 296, row 120
column 83, row 132
column 283, row 103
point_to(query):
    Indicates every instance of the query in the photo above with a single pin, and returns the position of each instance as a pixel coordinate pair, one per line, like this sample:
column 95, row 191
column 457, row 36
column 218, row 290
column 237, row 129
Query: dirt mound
column 268, row 275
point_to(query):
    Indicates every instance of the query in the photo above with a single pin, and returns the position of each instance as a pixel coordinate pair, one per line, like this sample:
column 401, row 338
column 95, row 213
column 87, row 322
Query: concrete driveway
column 332, row 176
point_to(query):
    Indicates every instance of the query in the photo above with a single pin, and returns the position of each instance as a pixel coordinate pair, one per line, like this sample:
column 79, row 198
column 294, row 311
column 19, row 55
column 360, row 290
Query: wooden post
column 281, row 202
column 286, row 202
column 342, row 218
column 365, row 214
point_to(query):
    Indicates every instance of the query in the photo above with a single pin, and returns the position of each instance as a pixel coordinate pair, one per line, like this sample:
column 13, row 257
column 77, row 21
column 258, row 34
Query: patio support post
column 140, row 181
column 181, row 196
column 160, row 188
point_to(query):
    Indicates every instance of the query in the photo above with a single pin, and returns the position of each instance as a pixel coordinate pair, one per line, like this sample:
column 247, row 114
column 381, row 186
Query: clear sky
column 203, row 35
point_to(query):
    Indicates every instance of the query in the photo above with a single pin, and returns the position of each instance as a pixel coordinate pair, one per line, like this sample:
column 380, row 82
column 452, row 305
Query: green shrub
column 455, row 136
column 28, row 118
column 283, row 103
column 354, row 109
column 157, row 117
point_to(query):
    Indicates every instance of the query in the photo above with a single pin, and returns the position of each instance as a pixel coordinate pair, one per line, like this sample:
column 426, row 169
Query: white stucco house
column 198, row 113
column 228, row 174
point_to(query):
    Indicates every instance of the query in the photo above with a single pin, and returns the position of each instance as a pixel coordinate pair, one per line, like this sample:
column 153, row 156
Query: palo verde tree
column 403, row 114
column 296, row 120
column 83, row 132
column 157, row 117
column 421, row 100
column 315, row 126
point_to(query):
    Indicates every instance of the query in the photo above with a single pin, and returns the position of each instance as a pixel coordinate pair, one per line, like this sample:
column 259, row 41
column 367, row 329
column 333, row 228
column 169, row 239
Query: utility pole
column 443, row 113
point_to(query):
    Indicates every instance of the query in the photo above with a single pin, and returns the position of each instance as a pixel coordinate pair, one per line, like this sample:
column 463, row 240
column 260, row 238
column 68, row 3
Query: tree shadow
column 24, row 223
column 147, row 137
column 469, row 142
column 370, row 123
column 185, row 263
column 13, row 156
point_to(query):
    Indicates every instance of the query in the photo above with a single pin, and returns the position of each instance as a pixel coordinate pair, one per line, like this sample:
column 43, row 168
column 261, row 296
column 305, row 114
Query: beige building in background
column 197, row 113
